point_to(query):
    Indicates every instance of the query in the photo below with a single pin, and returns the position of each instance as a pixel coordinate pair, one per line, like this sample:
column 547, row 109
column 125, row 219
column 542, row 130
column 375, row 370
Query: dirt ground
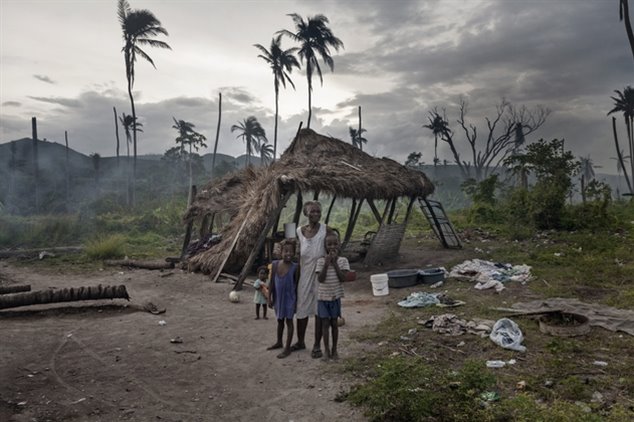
column 110, row 360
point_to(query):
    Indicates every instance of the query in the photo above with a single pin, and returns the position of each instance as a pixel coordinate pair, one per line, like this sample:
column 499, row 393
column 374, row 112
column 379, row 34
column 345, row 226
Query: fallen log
column 146, row 265
column 15, row 289
column 63, row 295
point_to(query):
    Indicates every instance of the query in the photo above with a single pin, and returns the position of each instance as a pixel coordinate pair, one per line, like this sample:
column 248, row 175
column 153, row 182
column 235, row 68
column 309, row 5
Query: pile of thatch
column 311, row 163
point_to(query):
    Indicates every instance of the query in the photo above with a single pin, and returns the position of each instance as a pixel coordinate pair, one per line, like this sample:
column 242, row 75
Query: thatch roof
column 311, row 163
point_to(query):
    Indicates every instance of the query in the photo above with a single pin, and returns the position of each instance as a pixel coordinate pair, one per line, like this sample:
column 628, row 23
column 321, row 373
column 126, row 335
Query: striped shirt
column 331, row 288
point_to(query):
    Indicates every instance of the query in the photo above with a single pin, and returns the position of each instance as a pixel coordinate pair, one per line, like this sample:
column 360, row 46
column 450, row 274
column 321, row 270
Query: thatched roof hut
column 312, row 163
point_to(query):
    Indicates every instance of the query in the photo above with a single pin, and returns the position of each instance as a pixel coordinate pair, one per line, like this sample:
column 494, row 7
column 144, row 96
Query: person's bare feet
column 257, row 317
column 334, row 355
column 275, row 346
column 284, row 354
column 295, row 347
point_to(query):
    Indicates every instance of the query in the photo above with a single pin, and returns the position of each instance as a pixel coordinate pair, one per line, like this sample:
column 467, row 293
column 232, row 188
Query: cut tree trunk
column 146, row 265
column 15, row 289
column 72, row 294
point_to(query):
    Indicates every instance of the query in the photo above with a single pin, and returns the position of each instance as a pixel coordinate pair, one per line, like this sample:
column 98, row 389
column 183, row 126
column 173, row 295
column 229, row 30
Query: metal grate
column 439, row 222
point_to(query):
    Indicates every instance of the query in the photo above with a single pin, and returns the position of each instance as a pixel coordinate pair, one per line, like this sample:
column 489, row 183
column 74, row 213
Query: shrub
column 109, row 247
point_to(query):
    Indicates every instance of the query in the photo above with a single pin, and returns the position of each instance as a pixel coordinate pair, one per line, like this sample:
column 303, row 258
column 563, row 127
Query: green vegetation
column 109, row 247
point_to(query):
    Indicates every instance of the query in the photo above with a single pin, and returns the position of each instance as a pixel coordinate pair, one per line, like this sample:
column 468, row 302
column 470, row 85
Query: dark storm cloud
column 66, row 102
column 11, row 104
column 238, row 95
column 44, row 78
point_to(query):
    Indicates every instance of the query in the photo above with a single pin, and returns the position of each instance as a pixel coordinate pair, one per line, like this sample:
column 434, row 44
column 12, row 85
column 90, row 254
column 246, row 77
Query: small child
column 261, row 287
column 331, row 273
column 283, row 296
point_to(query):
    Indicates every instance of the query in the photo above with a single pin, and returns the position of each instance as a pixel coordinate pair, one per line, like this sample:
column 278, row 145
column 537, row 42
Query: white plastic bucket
column 379, row 284
column 290, row 231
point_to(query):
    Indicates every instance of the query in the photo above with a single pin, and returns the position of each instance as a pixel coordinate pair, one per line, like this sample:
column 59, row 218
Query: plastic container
column 431, row 275
column 402, row 278
column 290, row 231
column 380, row 284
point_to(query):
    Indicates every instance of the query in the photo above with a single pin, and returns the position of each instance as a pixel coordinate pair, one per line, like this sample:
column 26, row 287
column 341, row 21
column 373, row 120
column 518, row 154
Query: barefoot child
column 331, row 273
column 261, row 287
column 283, row 296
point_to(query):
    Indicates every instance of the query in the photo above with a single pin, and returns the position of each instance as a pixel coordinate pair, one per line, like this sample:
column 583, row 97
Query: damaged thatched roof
column 311, row 163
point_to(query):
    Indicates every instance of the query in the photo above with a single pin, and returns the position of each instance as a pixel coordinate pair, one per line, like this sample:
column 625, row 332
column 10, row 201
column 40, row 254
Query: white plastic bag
column 507, row 333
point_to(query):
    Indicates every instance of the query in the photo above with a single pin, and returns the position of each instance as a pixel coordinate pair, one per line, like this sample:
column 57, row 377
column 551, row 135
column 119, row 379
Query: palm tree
column 624, row 103
column 315, row 39
column 281, row 63
column 130, row 125
column 139, row 27
column 357, row 137
column 251, row 133
column 439, row 127
column 188, row 136
column 587, row 174
column 266, row 153
column 624, row 15
column 620, row 159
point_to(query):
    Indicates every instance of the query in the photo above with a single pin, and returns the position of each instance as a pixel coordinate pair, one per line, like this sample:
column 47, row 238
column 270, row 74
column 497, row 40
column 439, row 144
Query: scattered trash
column 564, row 324
column 176, row 340
column 78, row 401
column 447, row 302
column 411, row 331
column 600, row 363
column 419, row 300
column 162, row 322
column 462, row 343
column 548, row 384
column 489, row 396
column 500, row 363
column 45, row 254
column 452, row 325
column 436, row 285
column 558, row 254
column 22, row 403
column 597, row 397
column 489, row 274
column 521, row 385
column 152, row 308
column 507, row 334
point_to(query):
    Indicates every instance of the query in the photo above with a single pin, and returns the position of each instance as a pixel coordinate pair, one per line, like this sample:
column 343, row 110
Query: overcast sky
column 61, row 61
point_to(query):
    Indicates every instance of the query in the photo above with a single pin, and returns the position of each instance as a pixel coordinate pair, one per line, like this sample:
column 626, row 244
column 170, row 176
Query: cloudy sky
column 61, row 61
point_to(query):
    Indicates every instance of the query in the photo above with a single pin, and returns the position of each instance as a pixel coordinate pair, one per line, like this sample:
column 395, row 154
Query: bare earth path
column 108, row 361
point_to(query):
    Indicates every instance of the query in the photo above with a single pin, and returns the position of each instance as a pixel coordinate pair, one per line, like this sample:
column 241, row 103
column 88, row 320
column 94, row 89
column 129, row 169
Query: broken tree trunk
column 146, row 265
column 15, row 289
column 63, row 295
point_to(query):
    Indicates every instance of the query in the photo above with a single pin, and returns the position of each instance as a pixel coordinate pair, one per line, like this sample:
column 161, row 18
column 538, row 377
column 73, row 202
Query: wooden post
column 233, row 245
column 36, row 169
column 375, row 211
column 204, row 226
column 316, row 195
column 116, row 132
column 351, row 225
column 190, row 225
column 213, row 160
column 260, row 242
column 386, row 210
column 390, row 219
column 298, row 208
column 332, row 202
column 409, row 209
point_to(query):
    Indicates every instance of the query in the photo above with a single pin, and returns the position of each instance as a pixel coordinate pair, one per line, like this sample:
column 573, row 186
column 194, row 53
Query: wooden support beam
column 204, row 227
column 353, row 223
column 332, row 202
column 190, row 225
column 409, row 209
column 375, row 211
column 298, row 208
column 386, row 211
column 260, row 242
column 390, row 219
column 233, row 245
column 316, row 195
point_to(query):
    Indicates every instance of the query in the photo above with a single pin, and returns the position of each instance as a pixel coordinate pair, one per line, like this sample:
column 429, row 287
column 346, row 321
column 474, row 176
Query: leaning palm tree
column 251, row 133
column 139, row 27
column 624, row 15
column 281, row 63
column 188, row 136
column 315, row 38
column 624, row 103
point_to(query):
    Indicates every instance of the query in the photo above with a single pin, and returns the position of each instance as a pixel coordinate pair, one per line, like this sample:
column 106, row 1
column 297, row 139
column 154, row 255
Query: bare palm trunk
column 625, row 16
column 359, row 132
column 67, row 173
column 36, row 168
column 116, row 132
column 277, row 94
column 310, row 99
column 134, row 174
column 191, row 177
column 630, row 134
column 127, row 171
column 619, row 156
column 213, row 160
